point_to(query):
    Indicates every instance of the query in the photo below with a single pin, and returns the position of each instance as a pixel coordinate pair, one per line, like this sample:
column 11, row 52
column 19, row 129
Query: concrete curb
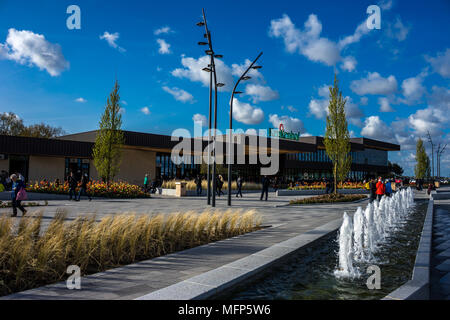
column 217, row 281
column 418, row 288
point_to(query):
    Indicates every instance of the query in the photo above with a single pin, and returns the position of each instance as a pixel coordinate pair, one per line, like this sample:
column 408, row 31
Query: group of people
column 151, row 186
column 73, row 184
column 378, row 188
column 219, row 185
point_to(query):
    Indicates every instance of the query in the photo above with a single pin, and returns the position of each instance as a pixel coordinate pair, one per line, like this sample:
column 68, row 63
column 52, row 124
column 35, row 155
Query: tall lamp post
column 242, row 77
column 212, row 70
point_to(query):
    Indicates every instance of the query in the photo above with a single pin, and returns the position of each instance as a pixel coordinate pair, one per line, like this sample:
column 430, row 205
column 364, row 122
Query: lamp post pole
column 230, row 135
column 212, row 70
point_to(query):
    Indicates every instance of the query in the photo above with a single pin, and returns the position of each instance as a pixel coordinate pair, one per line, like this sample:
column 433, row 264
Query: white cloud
column 193, row 71
column 201, row 119
column 28, row 48
column 364, row 101
column 290, row 108
column 261, row 93
column 385, row 4
column 145, row 110
column 124, row 103
column 306, row 42
column 349, row 64
column 111, row 38
column 375, row 128
column 361, row 30
column 413, row 89
column 319, row 107
column 81, row 100
column 246, row 113
column 441, row 63
column 163, row 30
column 164, row 47
column 385, row 105
column 238, row 69
column 374, row 84
column 122, row 111
column 179, row 94
column 289, row 123
column 397, row 30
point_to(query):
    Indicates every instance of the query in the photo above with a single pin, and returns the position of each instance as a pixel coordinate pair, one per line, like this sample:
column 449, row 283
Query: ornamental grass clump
column 31, row 257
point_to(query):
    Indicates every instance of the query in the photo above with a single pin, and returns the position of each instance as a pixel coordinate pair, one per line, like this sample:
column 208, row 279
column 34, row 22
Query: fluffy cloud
column 375, row 128
column 246, row 113
column 306, row 42
column 289, row 123
column 193, row 71
column 374, row 83
column 441, row 63
column 360, row 31
column 26, row 47
column 81, row 100
column 348, row 64
column 385, row 106
column 261, row 93
column 201, row 119
column 164, row 47
column 162, row 30
column 319, row 107
column 290, row 108
column 397, row 30
column 145, row 110
column 413, row 89
column 111, row 38
column 238, row 69
column 179, row 94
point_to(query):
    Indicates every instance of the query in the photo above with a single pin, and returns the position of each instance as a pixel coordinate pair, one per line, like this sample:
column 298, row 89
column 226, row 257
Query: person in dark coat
column 17, row 185
column 373, row 190
column 239, row 183
column 83, row 188
column 265, row 187
column 198, row 183
column 73, row 184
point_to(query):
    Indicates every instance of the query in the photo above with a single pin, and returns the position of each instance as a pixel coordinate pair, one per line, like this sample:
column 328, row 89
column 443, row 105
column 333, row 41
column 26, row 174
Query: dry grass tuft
column 30, row 257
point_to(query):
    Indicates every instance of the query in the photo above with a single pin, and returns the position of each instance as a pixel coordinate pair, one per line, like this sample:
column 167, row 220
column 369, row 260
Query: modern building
column 300, row 157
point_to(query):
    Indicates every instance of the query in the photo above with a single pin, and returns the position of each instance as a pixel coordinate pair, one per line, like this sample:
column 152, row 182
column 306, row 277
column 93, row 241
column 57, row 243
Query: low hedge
column 329, row 198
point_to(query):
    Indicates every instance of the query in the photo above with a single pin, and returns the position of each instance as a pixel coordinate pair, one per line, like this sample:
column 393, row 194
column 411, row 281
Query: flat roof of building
column 81, row 144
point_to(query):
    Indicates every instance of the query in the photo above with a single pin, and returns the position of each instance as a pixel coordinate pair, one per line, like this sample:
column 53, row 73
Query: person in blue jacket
column 17, row 185
column 388, row 191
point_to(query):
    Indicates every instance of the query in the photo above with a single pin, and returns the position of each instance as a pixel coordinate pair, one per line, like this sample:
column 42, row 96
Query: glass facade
column 78, row 166
column 167, row 169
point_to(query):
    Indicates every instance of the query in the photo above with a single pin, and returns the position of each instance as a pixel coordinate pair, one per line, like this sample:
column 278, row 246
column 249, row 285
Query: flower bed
column 329, row 198
column 321, row 186
column 94, row 188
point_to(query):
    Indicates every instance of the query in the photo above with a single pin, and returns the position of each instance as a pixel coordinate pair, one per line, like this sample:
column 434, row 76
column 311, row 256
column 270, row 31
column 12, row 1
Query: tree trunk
column 335, row 178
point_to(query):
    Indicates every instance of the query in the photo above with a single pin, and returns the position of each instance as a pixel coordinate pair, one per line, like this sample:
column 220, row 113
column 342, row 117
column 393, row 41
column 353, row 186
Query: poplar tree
column 107, row 151
column 422, row 160
column 337, row 137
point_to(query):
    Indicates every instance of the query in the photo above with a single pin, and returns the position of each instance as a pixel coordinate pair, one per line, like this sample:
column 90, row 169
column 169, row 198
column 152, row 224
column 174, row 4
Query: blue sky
column 396, row 78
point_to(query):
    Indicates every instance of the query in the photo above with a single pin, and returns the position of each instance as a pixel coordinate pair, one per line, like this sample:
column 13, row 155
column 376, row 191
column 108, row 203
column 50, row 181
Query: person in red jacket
column 381, row 188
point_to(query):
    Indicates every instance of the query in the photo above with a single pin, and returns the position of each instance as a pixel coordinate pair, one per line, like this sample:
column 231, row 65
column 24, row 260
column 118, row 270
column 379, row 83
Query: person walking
column 327, row 186
column 73, row 184
column 381, row 189
column 83, row 188
column 265, row 187
column 198, row 183
column 239, row 183
column 219, row 185
column 17, row 195
column 373, row 190
column 146, row 183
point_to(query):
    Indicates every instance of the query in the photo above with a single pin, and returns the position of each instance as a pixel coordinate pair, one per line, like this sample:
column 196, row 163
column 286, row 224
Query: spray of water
column 360, row 238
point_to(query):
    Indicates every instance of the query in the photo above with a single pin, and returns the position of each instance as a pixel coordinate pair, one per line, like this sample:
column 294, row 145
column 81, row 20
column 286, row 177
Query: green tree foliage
column 422, row 160
column 12, row 125
column 107, row 152
column 395, row 169
column 337, row 137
